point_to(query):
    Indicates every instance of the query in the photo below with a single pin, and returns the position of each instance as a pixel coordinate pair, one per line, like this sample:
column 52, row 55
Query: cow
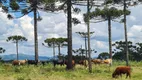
column 32, row 62
column 96, row 61
column 122, row 70
column 107, row 61
column 44, row 62
column 83, row 62
column 22, row 62
column 15, row 62
column 19, row 62
column 58, row 62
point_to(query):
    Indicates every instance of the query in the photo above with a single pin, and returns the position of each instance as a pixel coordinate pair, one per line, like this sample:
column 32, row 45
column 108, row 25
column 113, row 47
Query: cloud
column 135, row 33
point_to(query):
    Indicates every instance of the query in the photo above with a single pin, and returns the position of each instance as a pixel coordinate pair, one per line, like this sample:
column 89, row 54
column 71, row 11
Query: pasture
column 48, row 72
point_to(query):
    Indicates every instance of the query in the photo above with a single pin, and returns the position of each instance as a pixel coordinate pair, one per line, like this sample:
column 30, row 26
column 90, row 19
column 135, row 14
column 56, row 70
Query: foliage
column 61, row 41
column 16, row 38
column 14, row 5
column 134, row 50
column 103, row 55
column 2, row 50
column 56, row 41
column 106, row 13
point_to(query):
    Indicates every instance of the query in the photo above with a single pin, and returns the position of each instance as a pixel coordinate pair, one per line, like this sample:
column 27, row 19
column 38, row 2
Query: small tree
column 80, row 51
column 103, row 55
column 60, row 42
column 50, row 43
column 16, row 39
column 55, row 42
column 85, row 36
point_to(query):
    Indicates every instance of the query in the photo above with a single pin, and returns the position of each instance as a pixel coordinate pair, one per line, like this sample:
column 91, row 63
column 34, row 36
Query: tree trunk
column 69, row 28
column 59, row 54
column 109, row 36
column 125, row 31
column 59, row 51
column 54, row 50
column 88, row 30
column 35, row 30
column 17, row 50
column 85, row 46
column 81, row 53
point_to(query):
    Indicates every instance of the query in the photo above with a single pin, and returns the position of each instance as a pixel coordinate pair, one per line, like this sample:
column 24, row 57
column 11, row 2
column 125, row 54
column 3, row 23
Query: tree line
column 135, row 51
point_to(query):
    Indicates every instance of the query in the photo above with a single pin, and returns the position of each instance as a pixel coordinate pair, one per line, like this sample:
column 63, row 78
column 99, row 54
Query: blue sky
column 54, row 25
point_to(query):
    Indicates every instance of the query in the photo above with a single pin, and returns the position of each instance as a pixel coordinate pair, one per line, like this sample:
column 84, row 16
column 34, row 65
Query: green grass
column 48, row 72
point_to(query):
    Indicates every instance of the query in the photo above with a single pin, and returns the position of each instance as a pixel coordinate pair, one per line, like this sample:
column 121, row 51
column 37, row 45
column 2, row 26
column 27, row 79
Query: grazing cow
column 83, row 62
column 44, row 62
column 58, row 62
column 15, row 62
column 96, row 61
column 32, row 62
column 22, row 62
column 107, row 61
column 19, row 62
column 122, row 70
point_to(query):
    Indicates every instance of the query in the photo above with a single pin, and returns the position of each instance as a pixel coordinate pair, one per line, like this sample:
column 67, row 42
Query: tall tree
column 69, row 28
column 125, row 31
column 88, row 30
column 126, row 4
column 16, row 39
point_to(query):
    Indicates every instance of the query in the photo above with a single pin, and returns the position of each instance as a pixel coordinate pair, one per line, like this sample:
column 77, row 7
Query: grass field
column 47, row 72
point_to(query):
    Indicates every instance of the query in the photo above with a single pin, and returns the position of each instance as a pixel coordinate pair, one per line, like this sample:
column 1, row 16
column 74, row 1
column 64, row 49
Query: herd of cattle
column 118, row 71
column 61, row 62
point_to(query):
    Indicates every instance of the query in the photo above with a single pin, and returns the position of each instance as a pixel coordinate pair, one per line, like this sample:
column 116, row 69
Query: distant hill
column 23, row 56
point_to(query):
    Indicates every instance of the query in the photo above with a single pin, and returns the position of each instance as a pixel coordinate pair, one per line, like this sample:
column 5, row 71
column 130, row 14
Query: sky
column 55, row 25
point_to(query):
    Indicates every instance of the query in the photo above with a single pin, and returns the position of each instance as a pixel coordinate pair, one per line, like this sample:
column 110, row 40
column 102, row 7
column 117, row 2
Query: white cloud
column 135, row 33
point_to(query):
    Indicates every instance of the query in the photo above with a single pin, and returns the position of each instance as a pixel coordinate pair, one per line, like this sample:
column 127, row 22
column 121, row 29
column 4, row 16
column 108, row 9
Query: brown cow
column 83, row 62
column 107, row 61
column 19, row 62
column 15, row 62
column 96, row 61
column 122, row 70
